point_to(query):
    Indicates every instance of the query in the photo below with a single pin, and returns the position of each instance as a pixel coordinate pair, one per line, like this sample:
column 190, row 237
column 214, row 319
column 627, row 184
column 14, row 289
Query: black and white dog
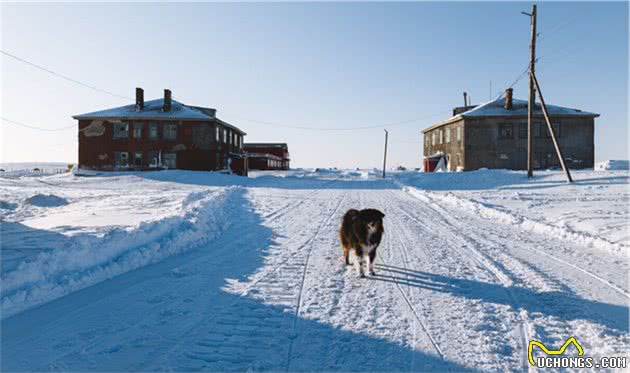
column 361, row 231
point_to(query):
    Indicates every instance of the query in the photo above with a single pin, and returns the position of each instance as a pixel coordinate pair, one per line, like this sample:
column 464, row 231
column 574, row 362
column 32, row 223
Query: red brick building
column 158, row 134
column 267, row 156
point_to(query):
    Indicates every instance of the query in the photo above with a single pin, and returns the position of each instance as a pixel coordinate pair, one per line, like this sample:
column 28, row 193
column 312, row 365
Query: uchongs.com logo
column 555, row 358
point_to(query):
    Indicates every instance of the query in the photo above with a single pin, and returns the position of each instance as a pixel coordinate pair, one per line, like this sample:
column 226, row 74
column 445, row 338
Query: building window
column 225, row 139
column 137, row 130
column 433, row 137
column 169, row 132
column 153, row 131
column 538, row 130
column 556, row 129
column 506, row 131
column 152, row 156
column 448, row 135
column 216, row 131
column 522, row 130
column 137, row 158
column 441, row 136
column 169, row 160
column 427, row 141
column 121, row 159
column 121, row 130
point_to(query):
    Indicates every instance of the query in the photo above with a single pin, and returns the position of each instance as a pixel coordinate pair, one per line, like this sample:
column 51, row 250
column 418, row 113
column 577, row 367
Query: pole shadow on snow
column 564, row 305
column 182, row 314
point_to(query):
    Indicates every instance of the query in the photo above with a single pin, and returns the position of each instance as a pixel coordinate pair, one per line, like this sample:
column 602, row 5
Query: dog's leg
column 346, row 255
column 372, row 257
column 360, row 264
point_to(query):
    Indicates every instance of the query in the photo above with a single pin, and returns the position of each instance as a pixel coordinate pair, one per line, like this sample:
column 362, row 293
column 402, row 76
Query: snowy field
column 180, row 271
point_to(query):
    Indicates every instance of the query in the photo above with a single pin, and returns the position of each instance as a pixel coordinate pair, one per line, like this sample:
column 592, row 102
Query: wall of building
column 454, row 148
column 195, row 146
column 281, row 152
column 490, row 147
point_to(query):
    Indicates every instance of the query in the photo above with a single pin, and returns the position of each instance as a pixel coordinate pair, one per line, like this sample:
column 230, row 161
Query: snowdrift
column 91, row 259
column 504, row 217
column 613, row 165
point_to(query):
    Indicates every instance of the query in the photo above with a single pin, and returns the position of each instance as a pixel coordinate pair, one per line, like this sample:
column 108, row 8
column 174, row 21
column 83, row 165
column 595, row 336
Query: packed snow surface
column 179, row 271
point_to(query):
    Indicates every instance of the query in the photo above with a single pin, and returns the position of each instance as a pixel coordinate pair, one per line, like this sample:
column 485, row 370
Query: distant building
column 267, row 156
column 157, row 134
column 494, row 135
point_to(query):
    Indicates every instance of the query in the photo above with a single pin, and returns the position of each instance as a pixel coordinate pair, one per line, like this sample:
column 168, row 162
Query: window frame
column 135, row 159
column 167, row 129
column 118, row 156
column 503, row 126
column 458, row 133
column 522, row 130
column 138, row 128
column 117, row 132
column 447, row 138
column 165, row 156
column 153, row 126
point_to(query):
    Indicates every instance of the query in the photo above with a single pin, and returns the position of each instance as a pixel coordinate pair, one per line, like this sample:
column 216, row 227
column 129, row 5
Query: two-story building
column 494, row 135
column 157, row 134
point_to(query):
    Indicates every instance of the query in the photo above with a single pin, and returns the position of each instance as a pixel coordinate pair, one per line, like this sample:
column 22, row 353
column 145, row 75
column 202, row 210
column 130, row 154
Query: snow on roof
column 153, row 110
column 265, row 144
column 519, row 108
column 496, row 108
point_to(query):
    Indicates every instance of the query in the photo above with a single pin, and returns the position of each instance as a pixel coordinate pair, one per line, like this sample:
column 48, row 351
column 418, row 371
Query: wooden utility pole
column 385, row 155
column 532, row 94
column 551, row 132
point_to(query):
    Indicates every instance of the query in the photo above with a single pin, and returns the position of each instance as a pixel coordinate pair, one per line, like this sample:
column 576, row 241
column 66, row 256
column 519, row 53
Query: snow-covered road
column 453, row 291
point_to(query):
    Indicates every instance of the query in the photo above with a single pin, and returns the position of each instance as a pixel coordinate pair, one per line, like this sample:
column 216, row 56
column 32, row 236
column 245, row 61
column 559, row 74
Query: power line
column 311, row 128
column 242, row 118
column 35, row 127
column 63, row 76
column 333, row 128
column 518, row 79
column 546, row 34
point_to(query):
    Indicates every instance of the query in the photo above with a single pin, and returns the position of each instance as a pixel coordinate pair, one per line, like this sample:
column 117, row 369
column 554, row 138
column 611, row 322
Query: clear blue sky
column 317, row 65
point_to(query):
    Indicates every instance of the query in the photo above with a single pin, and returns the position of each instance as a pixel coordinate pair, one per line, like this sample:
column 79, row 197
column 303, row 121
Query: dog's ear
column 382, row 215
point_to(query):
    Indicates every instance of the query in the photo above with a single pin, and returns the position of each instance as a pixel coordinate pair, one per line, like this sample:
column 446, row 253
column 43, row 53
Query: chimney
column 508, row 99
column 465, row 101
column 139, row 98
column 167, row 100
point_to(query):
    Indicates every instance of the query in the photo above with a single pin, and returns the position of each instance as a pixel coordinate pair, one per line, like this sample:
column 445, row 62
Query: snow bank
column 505, row 217
column 613, row 165
column 46, row 200
column 91, row 259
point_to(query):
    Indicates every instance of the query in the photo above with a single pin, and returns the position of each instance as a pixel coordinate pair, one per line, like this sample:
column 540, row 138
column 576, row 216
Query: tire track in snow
column 403, row 250
column 227, row 319
column 296, row 317
column 619, row 290
column 501, row 276
column 394, row 230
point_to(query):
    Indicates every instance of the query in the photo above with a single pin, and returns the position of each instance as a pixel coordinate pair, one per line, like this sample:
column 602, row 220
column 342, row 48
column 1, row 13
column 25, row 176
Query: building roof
column 153, row 110
column 496, row 108
column 265, row 145
column 265, row 155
